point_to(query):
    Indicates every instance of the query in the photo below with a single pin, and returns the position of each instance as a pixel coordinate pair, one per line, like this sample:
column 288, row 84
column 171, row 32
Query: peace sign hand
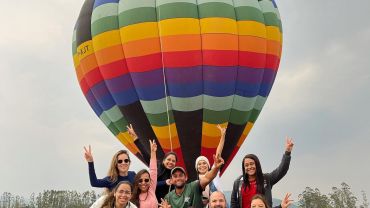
column 88, row 154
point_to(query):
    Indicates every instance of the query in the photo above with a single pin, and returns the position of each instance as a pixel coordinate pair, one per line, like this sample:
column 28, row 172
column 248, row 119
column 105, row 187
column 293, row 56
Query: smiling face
column 122, row 195
column 249, row 167
column 178, row 179
column 202, row 167
column 257, row 203
column 144, row 182
column 217, row 200
column 170, row 161
column 123, row 164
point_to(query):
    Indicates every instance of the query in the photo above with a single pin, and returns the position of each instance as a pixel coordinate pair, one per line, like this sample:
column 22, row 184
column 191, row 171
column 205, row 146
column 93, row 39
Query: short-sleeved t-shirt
column 190, row 197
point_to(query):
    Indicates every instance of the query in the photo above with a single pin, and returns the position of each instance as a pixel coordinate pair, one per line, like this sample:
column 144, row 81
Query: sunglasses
column 121, row 161
column 143, row 180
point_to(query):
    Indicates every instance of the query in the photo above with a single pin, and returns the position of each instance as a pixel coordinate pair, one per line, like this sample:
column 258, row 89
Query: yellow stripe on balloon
column 85, row 49
column 106, row 39
column 127, row 141
column 211, row 130
column 162, row 131
column 245, row 133
column 76, row 60
column 139, row 31
column 179, row 26
column 273, row 33
column 218, row 25
column 252, row 28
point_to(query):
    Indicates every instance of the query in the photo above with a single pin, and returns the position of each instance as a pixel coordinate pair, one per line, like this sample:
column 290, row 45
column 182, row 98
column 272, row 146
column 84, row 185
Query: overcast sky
column 320, row 98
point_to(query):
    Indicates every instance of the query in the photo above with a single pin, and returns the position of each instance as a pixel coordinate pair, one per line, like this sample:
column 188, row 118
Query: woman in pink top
column 145, row 182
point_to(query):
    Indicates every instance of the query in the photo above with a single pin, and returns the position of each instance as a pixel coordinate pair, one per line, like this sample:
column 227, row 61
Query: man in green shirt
column 190, row 195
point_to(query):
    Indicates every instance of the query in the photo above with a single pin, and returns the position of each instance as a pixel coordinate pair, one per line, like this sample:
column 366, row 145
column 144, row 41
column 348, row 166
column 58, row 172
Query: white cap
column 199, row 159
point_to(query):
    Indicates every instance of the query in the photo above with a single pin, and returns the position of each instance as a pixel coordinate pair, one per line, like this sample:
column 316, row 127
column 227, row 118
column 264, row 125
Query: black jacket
column 270, row 179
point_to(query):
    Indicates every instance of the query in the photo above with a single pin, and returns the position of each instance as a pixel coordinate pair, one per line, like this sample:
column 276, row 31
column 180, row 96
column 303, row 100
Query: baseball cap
column 177, row 168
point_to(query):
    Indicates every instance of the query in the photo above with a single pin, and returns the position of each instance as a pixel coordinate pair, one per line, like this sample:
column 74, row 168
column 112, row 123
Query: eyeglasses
column 121, row 161
column 125, row 192
column 143, row 180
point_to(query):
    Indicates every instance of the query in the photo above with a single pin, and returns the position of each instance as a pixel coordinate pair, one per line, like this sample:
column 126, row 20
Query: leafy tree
column 312, row 198
column 342, row 197
column 365, row 203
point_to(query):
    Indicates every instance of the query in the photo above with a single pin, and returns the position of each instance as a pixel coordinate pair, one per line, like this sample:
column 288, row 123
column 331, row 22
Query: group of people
column 166, row 185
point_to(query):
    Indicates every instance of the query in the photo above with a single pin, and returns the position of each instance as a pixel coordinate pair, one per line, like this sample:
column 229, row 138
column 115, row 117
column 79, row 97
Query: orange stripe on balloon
column 274, row 48
column 142, row 47
column 220, row 42
column 181, row 43
column 252, row 44
column 109, row 55
column 210, row 142
column 88, row 63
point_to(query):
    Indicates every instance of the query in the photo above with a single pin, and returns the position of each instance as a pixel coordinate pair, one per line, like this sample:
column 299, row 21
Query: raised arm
column 220, row 145
column 94, row 181
column 138, row 143
column 153, row 164
column 210, row 175
column 283, row 168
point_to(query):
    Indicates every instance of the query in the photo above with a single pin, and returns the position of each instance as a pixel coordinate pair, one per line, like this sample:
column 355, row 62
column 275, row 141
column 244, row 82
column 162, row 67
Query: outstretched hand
column 153, row 146
column 164, row 204
column 222, row 129
column 218, row 161
column 286, row 201
column 88, row 154
column 131, row 131
column 289, row 144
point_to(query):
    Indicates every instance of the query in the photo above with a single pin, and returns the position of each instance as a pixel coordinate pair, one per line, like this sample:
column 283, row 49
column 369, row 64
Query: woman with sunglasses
column 202, row 166
column 145, row 182
column 164, row 167
column 119, row 197
column 118, row 171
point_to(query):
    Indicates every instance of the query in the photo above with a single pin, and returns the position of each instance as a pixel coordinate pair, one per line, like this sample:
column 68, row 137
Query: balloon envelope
column 174, row 69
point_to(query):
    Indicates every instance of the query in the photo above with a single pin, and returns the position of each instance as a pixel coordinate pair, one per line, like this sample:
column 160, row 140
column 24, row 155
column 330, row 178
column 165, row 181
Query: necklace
column 147, row 193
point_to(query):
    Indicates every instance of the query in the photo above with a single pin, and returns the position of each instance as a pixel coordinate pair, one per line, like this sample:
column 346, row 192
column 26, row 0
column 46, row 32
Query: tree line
column 339, row 197
column 49, row 199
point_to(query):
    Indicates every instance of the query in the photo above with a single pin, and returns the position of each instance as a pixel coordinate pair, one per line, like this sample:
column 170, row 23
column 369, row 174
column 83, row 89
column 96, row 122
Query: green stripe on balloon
column 104, row 10
column 177, row 10
column 163, row 2
column 247, row 13
column 229, row 2
column 156, row 106
column 246, row 103
column 133, row 4
column 187, row 104
column 160, row 119
column 74, row 44
column 137, row 15
column 216, row 117
column 103, row 25
column 216, row 10
column 242, row 117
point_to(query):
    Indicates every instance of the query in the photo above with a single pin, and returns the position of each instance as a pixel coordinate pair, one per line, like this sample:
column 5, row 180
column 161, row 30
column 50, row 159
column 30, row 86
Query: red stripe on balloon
column 144, row 63
column 84, row 86
column 272, row 62
column 253, row 60
column 182, row 58
column 93, row 77
column 114, row 69
column 220, row 58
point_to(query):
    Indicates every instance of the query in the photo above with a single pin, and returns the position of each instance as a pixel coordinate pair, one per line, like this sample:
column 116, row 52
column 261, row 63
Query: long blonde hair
column 113, row 170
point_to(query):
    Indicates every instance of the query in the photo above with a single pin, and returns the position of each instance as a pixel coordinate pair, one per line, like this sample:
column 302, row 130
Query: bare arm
column 210, row 175
column 220, row 146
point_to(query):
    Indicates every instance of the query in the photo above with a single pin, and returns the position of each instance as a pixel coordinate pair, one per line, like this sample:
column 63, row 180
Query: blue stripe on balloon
column 219, row 89
column 151, row 93
column 93, row 103
column 220, row 73
column 185, row 90
column 149, row 78
column 126, row 97
column 100, row 2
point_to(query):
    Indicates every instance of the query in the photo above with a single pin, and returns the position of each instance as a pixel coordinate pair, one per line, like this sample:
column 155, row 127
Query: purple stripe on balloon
column 184, row 75
column 121, row 83
column 220, row 74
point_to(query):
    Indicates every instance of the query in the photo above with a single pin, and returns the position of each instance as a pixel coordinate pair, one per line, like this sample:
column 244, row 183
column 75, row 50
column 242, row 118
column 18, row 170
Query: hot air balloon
column 174, row 69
